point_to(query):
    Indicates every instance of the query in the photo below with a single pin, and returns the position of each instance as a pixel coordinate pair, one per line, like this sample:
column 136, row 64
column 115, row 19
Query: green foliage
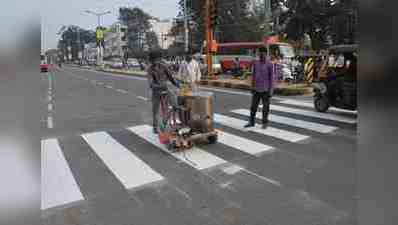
column 75, row 37
column 139, row 32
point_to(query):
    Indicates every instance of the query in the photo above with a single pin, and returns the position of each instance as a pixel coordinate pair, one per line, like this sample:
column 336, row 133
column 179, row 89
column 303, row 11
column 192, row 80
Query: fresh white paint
column 311, row 105
column 50, row 122
column 242, row 144
column 302, row 112
column 58, row 186
column 128, row 168
column 142, row 98
column 232, row 169
column 194, row 157
column 122, row 91
column 226, row 91
column 270, row 131
column 269, row 180
column 317, row 127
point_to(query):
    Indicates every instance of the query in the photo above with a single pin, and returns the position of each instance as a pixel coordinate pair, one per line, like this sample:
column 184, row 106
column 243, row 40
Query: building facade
column 113, row 41
column 162, row 30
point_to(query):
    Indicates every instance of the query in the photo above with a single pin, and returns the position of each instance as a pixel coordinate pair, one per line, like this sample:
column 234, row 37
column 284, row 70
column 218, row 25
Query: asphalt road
column 101, row 165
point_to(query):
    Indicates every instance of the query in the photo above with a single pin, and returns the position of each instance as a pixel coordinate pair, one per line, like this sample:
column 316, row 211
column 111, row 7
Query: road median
column 282, row 88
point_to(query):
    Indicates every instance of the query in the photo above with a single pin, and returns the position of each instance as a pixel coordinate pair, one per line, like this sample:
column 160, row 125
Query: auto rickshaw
column 336, row 83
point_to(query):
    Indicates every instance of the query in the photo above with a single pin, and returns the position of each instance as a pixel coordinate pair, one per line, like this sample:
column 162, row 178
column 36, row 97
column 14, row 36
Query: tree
column 139, row 30
column 75, row 37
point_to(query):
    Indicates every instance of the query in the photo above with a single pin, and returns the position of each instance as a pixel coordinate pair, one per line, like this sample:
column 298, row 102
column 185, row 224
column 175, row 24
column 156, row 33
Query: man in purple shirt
column 262, row 84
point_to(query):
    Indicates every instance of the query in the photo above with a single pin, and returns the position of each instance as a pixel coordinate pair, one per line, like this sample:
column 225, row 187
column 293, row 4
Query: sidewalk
column 281, row 88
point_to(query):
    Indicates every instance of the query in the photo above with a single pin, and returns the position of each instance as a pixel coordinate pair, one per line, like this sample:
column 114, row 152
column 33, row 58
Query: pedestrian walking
column 262, row 88
column 190, row 72
column 158, row 75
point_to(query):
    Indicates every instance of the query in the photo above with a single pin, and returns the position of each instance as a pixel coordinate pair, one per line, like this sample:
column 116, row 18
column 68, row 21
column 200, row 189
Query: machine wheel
column 212, row 139
column 321, row 104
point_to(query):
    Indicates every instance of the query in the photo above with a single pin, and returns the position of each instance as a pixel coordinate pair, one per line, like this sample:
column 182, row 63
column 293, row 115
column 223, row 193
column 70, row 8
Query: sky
column 55, row 13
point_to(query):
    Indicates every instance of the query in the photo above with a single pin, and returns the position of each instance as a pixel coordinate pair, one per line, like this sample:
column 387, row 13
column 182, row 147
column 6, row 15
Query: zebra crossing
column 59, row 186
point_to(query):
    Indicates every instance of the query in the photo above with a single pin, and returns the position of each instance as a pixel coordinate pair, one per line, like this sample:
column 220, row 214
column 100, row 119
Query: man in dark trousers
column 158, row 76
column 262, row 88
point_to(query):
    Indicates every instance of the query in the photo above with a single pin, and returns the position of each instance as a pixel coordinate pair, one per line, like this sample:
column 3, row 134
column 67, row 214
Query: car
column 133, row 63
column 116, row 64
column 44, row 67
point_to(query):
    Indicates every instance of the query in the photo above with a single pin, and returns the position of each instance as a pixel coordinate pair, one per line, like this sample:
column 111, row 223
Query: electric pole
column 186, row 27
column 267, row 27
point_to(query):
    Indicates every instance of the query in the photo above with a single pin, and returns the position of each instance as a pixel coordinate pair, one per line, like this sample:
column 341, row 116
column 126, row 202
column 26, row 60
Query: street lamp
column 98, row 14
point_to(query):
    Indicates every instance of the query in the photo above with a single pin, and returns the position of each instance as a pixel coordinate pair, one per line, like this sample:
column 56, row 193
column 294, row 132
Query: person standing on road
column 190, row 72
column 158, row 75
column 262, row 88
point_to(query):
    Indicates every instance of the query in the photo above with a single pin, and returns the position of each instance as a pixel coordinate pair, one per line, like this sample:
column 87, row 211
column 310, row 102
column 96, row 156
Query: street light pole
column 186, row 26
column 100, row 51
column 267, row 27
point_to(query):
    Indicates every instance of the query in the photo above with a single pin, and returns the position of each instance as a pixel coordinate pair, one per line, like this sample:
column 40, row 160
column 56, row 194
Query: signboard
column 99, row 34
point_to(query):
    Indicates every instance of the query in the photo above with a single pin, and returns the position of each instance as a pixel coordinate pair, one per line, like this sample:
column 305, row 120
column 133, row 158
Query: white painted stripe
column 302, row 112
column 100, row 83
column 142, row 98
column 226, row 91
column 50, row 122
column 108, row 86
column 121, row 76
column 242, row 144
column 129, row 169
column 194, row 157
column 270, row 131
column 317, row 127
column 58, row 186
column 122, row 91
column 311, row 105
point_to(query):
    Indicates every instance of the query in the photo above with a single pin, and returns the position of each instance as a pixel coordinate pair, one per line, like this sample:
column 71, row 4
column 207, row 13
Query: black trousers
column 257, row 96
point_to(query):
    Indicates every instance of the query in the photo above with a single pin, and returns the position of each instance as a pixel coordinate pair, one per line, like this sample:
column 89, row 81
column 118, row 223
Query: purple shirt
column 262, row 76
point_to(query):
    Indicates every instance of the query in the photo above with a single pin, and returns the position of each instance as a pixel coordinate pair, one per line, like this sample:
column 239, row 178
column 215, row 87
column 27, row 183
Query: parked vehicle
column 132, row 62
column 44, row 66
column 116, row 63
column 228, row 62
column 337, row 86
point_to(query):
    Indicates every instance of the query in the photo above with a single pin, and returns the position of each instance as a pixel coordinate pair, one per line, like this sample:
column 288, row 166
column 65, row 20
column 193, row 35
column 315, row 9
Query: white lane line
column 100, row 83
column 122, row 91
column 108, row 86
column 142, row 98
column 302, row 112
column 58, row 186
column 226, row 91
column 50, row 107
column 121, row 76
column 194, row 157
column 50, row 122
column 242, row 144
column 269, row 180
column 311, row 105
column 129, row 169
column 270, row 131
column 317, row 127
